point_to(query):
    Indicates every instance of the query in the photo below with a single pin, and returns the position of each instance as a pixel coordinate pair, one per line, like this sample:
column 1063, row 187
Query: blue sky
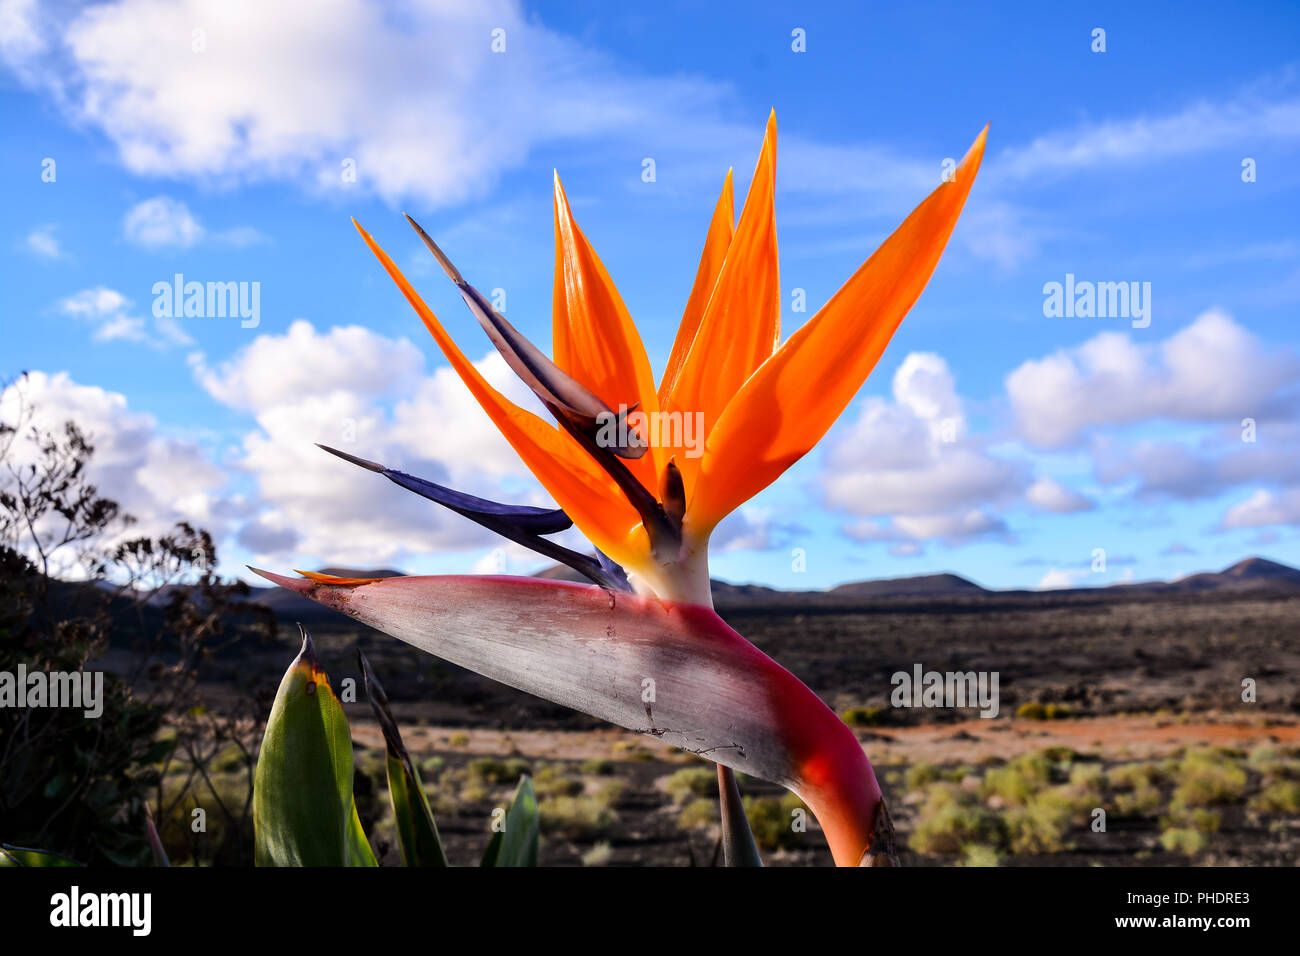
column 219, row 154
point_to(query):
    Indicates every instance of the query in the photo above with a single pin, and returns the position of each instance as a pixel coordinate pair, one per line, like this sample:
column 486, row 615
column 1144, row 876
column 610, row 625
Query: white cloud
column 366, row 394
column 42, row 242
column 160, row 223
column 94, row 303
column 1255, row 116
column 753, row 528
column 1213, row 370
column 1061, row 578
column 1265, row 507
column 109, row 312
column 303, row 364
column 413, row 94
column 1050, row 495
column 155, row 477
column 911, row 460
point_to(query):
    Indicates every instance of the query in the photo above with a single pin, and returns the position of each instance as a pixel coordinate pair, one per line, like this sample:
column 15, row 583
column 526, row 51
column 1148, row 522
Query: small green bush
column 863, row 716
column 772, row 821
column 1184, row 840
column 691, row 782
column 1280, row 797
column 951, row 819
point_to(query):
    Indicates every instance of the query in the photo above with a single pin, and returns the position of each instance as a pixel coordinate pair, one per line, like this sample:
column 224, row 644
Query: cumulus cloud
column 166, row 223
column 1058, row 578
column 42, row 243
column 1263, row 508
column 241, row 90
column 753, row 528
column 160, row 223
column 1214, row 370
column 1048, row 494
column 109, row 313
column 158, row 478
column 913, row 462
column 951, row 528
column 1254, row 116
column 369, row 395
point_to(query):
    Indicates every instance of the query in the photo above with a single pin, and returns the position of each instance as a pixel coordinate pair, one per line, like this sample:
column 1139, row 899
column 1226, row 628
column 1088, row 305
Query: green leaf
column 517, row 843
column 417, row 834
column 303, row 810
column 21, row 856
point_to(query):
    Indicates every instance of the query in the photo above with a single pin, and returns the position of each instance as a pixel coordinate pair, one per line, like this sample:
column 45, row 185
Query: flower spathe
column 651, row 510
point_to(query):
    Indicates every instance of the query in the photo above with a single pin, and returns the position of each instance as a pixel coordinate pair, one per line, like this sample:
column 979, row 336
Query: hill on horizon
column 1252, row 572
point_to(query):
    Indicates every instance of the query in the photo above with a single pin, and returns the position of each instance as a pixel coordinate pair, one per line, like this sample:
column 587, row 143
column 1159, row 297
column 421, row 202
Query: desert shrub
column 550, row 780
column 1135, row 776
column 597, row 766
column 771, row 819
column 582, row 817
column 431, row 766
column 977, row 854
column 1145, row 801
column 1019, row 780
column 863, row 716
column 633, row 751
column 1044, row 822
column 691, row 782
column 75, row 585
column 497, row 773
column 1264, row 755
column 697, row 813
column 610, row 791
column 921, row 775
column 458, row 740
column 1205, row 779
column 598, row 855
column 952, row 819
column 1034, row 710
column 1184, row 840
column 1089, row 777
column 1280, row 797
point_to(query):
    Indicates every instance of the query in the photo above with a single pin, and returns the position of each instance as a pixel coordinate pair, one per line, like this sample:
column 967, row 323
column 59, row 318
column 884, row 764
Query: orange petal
column 789, row 403
column 577, row 483
column 721, row 229
column 742, row 321
column 335, row 581
column 594, row 338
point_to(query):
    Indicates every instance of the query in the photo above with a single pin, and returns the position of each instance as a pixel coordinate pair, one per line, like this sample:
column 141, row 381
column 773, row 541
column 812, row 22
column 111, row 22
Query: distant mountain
column 288, row 604
column 1252, row 573
column 562, row 572
column 902, row 587
column 362, row 572
column 726, row 593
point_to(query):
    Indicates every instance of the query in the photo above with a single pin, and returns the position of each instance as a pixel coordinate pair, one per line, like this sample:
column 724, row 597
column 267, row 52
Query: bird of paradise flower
column 645, row 650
